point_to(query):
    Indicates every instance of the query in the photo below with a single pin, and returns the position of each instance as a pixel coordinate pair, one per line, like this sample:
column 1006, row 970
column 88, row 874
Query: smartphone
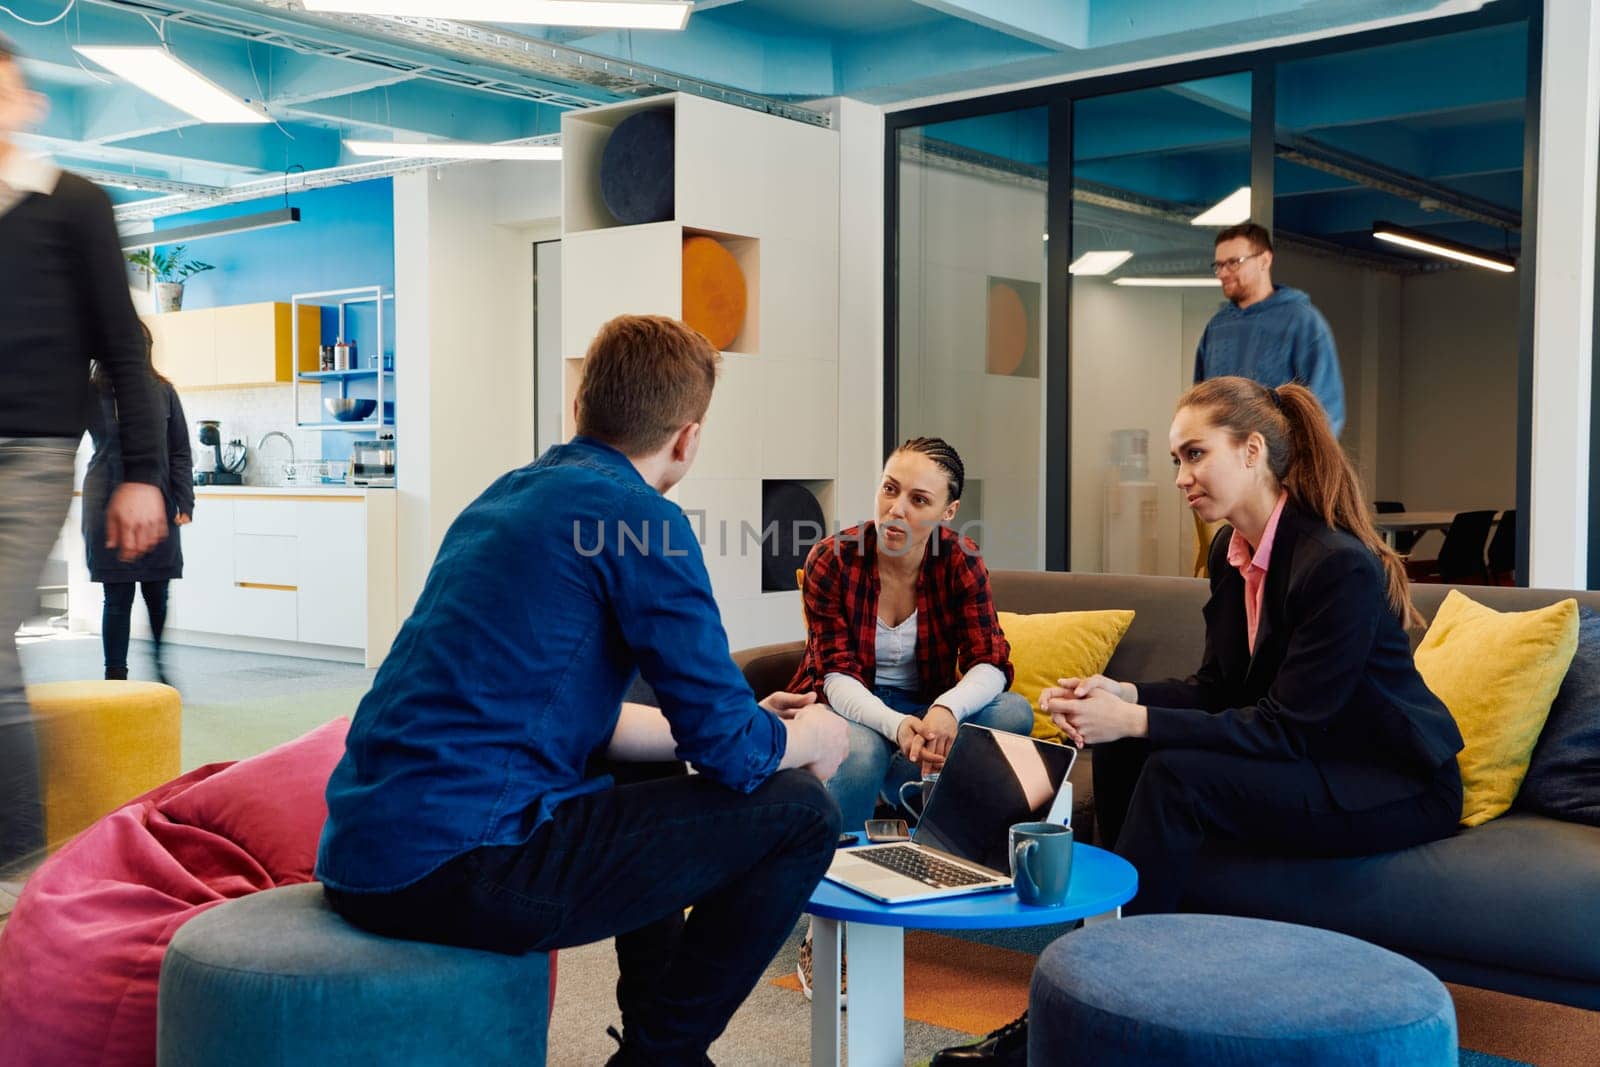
column 888, row 830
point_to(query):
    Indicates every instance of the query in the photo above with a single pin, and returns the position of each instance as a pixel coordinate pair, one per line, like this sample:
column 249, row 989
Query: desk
column 1391, row 523
column 1101, row 883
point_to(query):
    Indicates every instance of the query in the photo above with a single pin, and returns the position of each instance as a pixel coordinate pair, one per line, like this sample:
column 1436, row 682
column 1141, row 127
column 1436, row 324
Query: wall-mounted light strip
column 452, row 150
column 1091, row 263
column 162, row 75
column 1229, row 211
column 261, row 220
column 603, row 14
column 1438, row 246
column 1168, row 283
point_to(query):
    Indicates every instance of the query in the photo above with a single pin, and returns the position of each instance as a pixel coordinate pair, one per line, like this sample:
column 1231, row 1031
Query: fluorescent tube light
column 452, row 150
column 606, row 14
column 1230, row 210
column 1167, row 283
column 162, row 75
column 1099, row 262
column 175, row 235
column 1438, row 246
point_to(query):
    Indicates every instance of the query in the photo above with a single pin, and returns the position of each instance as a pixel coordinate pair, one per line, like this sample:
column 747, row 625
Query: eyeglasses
column 1231, row 265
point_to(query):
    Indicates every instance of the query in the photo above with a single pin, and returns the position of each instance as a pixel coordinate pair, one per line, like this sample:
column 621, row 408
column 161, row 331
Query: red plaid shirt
column 956, row 623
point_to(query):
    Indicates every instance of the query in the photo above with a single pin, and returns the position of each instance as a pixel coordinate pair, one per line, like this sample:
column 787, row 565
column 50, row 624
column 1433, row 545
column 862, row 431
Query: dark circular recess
column 791, row 521
column 636, row 170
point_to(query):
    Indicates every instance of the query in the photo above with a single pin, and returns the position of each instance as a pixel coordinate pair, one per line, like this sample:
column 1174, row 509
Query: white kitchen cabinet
column 330, row 570
column 203, row 600
column 278, row 571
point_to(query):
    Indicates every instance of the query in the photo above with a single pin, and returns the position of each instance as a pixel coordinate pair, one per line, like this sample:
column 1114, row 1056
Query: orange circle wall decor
column 1008, row 329
column 713, row 291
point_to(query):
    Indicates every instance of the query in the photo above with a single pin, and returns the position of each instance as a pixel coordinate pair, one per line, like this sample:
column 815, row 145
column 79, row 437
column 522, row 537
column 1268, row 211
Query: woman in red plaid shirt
column 896, row 610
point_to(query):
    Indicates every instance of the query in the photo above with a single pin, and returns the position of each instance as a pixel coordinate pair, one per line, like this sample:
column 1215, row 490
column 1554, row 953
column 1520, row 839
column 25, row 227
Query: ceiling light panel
column 1091, row 263
column 1421, row 242
column 164, row 76
column 1168, row 283
column 1229, row 211
column 452, row 150
column 600, row 14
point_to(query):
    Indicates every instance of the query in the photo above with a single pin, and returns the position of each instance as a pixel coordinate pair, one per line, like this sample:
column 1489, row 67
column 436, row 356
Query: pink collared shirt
column 1254, row 567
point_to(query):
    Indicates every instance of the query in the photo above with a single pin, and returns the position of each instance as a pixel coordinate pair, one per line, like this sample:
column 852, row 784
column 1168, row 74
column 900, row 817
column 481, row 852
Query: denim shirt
column 1275, row 341
column 550, row 593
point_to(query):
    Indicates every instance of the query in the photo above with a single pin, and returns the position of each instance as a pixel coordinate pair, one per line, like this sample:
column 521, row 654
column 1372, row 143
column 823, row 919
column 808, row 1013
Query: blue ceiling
column 1445, row 110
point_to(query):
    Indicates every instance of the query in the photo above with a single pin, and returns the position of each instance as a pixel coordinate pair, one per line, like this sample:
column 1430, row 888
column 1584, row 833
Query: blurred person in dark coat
column 63, row 302
column 152, row 571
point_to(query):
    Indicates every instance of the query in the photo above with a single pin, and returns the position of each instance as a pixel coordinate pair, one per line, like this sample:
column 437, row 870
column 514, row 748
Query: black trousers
column 1156, row 807
column 116, row 618
column 627, row 861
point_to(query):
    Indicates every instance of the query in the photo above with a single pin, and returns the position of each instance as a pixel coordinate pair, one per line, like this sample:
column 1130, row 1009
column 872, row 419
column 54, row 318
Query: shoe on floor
column 1005, row 1047
column 804, row 972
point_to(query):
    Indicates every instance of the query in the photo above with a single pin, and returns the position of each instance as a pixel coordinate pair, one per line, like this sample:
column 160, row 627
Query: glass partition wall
column 1051, row 274
column 1156, row 173
column 971, row 301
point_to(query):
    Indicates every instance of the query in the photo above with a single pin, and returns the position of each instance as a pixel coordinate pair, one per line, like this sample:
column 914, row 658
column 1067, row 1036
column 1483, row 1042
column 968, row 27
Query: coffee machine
column 227, row 465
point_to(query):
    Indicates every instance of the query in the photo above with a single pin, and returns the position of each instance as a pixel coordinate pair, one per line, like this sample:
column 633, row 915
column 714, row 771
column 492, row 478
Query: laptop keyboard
column 929, row 870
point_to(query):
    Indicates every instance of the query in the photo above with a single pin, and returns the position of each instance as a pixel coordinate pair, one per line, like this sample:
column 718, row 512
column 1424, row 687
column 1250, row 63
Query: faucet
column 289, row 468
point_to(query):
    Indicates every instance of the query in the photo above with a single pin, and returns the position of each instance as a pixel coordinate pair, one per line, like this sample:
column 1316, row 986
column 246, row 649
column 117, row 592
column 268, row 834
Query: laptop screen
column 991, row 780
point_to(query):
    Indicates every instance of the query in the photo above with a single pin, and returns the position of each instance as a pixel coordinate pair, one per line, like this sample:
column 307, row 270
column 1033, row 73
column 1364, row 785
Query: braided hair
column 944, row 457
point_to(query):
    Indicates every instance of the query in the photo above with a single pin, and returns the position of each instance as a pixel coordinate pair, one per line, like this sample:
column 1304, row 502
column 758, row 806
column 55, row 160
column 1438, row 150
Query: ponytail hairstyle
column 1305, row 457
column 944, row 457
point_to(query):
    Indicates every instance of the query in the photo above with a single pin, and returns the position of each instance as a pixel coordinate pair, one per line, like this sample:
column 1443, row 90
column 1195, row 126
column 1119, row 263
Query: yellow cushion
column 1497, row 672
column 100, row 745
column 1062, row 644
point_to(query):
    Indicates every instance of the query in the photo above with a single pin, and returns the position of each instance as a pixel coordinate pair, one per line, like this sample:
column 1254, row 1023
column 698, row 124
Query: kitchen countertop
column 310, row 489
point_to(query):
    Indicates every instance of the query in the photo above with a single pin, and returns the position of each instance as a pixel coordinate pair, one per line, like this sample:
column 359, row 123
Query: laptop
column 990, row 780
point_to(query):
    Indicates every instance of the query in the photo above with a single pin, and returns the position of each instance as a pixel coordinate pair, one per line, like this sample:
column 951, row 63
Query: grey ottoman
column 276, row 978
column 1213, row 989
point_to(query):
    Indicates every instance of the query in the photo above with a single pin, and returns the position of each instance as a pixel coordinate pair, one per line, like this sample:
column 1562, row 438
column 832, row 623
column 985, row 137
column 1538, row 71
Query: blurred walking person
column 63, row 302
column 152, row 571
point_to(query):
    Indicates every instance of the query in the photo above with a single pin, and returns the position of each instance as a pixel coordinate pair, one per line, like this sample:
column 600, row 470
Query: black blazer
column 1332, row 679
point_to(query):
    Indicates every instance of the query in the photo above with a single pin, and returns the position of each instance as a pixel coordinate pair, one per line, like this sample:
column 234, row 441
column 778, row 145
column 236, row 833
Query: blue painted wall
column 344, row 239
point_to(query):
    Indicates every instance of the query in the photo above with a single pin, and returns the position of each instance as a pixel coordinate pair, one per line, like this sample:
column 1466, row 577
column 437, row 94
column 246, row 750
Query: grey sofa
column 1513, row 905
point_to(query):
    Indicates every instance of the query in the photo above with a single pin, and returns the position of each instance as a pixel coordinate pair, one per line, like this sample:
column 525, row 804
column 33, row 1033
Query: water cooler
column 1128, row 541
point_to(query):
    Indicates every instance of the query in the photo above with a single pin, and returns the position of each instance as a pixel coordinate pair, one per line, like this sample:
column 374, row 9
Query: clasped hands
column 1095, row 709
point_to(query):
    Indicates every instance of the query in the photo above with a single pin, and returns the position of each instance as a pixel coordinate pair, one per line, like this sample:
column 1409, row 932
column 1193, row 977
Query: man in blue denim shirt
column 1267, row 333
column 465, row 811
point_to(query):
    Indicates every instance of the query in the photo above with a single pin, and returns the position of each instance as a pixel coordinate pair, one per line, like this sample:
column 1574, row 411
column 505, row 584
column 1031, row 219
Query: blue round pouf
column 636, row 168
column 277, row 978
column 1214, row 989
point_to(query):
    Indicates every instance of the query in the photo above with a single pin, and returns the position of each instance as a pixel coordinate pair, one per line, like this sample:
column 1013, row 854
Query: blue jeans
column 875, row 764
column 633, row 856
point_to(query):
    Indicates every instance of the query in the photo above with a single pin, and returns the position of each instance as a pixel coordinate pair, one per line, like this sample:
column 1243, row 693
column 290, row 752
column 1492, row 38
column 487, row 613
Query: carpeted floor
column 239, row 704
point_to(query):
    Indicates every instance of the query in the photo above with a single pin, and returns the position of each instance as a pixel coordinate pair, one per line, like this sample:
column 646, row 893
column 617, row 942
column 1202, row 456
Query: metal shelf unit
column 364, row 294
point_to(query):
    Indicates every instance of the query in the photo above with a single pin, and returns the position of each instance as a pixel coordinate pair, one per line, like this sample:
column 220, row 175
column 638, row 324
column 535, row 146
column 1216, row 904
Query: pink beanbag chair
column 81, row 954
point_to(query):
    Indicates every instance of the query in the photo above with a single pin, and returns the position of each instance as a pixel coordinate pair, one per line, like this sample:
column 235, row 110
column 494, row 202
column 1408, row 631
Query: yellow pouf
column 100, row 745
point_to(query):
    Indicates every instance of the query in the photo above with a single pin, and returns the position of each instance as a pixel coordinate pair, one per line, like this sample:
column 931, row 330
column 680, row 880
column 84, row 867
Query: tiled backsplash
column 247, row 413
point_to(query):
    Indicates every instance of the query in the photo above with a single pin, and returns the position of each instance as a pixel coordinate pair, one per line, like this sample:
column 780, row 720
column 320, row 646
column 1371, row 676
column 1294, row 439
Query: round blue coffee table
column 1101, row 883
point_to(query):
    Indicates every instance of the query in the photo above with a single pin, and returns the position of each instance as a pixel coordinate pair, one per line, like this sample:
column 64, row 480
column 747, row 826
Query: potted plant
column 169, row 269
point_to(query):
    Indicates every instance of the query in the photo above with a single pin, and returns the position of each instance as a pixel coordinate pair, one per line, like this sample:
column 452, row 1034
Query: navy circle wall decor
column 636, row 169
column 791, row 521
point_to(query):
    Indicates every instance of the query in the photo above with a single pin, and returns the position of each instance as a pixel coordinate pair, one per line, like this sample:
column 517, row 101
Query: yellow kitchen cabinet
column 246, row 344
column 185, row 346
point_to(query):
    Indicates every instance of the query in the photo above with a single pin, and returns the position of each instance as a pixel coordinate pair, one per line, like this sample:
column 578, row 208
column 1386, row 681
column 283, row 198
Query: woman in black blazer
column 1307, row 728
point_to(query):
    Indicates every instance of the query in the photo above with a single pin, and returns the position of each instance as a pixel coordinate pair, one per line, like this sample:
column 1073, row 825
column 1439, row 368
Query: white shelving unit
column 767, row 189
column 365, row 294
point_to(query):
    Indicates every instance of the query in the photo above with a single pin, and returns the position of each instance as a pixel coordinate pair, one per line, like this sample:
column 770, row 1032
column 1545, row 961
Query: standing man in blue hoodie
column 1267, row 332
